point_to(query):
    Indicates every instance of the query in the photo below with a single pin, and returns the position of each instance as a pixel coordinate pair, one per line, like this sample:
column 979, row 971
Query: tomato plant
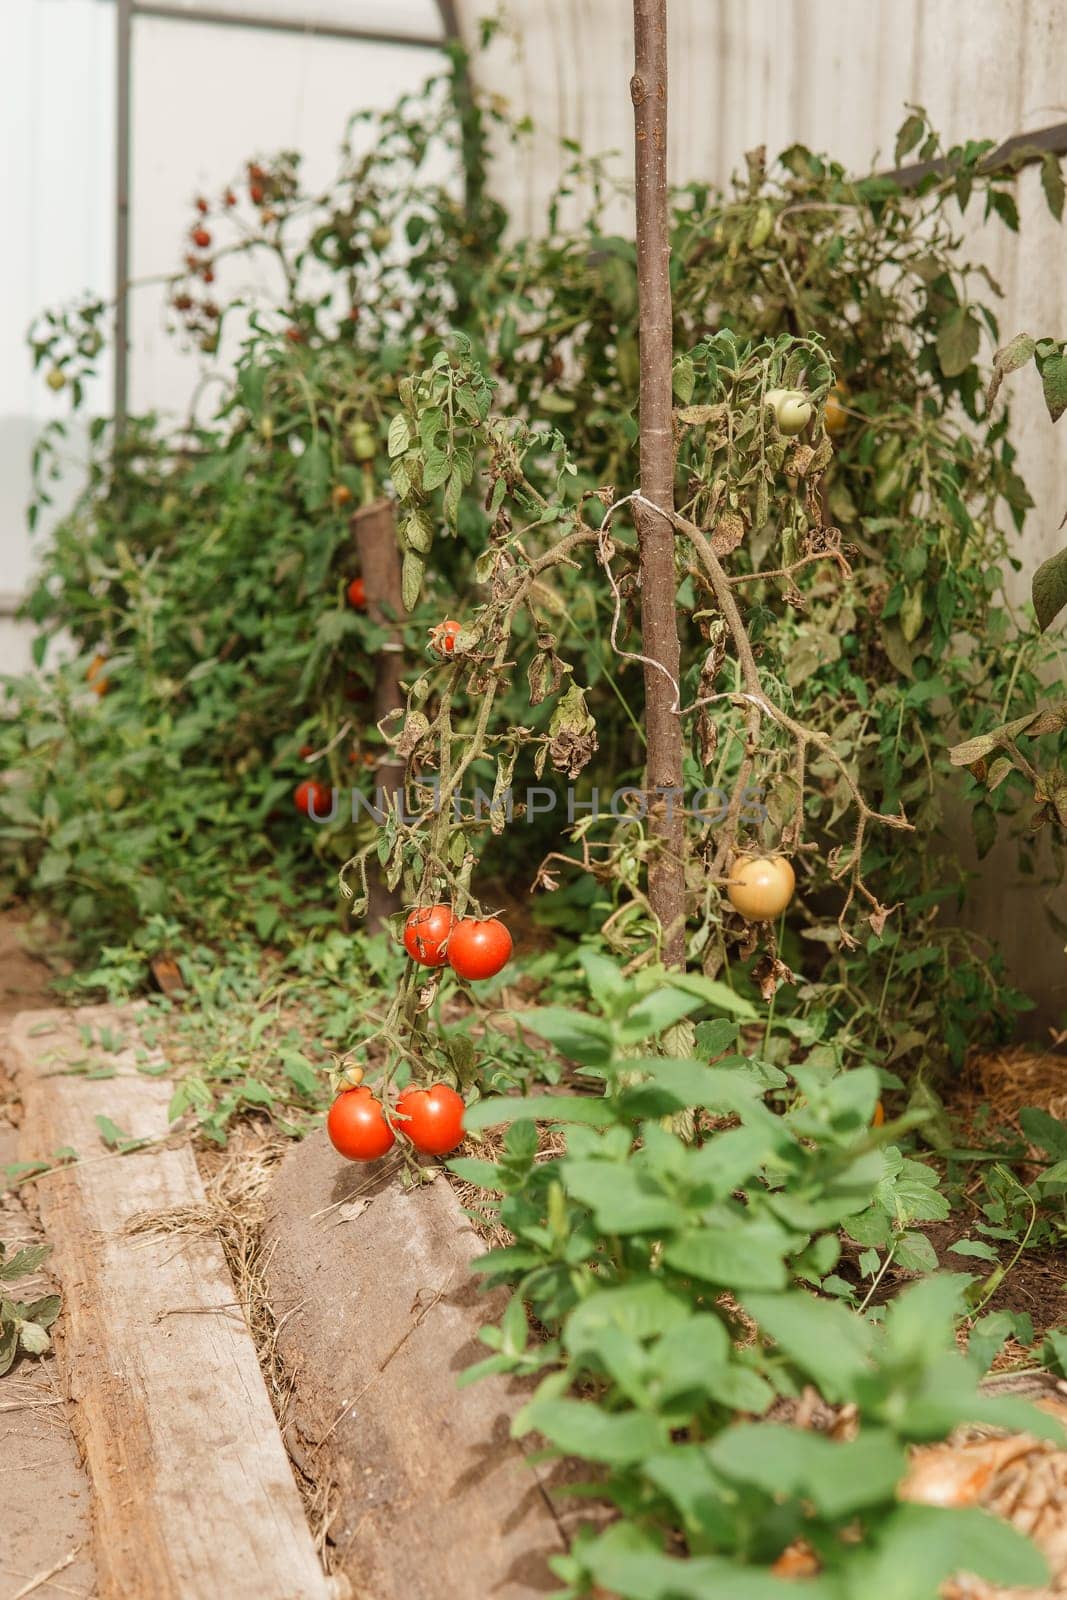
column 434, row 1118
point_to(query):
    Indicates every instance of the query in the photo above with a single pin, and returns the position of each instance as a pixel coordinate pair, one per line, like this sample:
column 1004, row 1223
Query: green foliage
column 666, row 1279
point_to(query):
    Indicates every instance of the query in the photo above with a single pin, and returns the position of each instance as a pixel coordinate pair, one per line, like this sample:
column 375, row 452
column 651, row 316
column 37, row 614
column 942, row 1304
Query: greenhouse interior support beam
column 1041, row 141
column 123, row 79
column 325, row 30
column 449, row 19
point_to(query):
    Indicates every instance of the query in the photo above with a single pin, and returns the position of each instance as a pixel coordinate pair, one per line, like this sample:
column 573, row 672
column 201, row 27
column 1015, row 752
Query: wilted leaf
column 972, row 750
column 1054, row 384
column 1010, row 358
column 1050, row 589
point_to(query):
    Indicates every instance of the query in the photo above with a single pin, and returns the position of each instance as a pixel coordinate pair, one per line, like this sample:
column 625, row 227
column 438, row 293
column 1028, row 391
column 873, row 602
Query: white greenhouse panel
column 206, row 98
column 56, row 160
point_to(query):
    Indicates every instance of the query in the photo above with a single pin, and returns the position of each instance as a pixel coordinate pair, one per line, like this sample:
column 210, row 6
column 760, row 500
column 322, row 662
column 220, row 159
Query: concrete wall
column 836, row 75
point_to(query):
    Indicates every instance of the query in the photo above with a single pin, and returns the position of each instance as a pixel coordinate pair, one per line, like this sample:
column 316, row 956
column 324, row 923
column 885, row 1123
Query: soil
column 44, row 1492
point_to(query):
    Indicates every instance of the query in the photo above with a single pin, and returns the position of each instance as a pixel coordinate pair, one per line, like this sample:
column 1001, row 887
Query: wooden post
column 648, row 90
column 374, row 529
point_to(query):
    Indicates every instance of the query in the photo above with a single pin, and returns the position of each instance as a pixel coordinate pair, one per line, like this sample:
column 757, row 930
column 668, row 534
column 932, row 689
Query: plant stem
column 659, row 627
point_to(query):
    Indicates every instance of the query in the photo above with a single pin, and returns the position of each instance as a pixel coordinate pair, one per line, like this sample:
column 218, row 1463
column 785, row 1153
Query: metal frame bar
column 449, row 19
column 1053, row 138
column 123, row 80
column 163, row 12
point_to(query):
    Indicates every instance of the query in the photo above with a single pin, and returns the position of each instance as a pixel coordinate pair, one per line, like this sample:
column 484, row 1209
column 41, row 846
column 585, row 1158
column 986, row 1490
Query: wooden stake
column 648, row 90
column 374, row 528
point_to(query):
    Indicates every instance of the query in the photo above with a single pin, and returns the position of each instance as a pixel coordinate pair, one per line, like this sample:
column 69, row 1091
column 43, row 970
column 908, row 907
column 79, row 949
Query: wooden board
column 378, row 1314
column 193, row 1497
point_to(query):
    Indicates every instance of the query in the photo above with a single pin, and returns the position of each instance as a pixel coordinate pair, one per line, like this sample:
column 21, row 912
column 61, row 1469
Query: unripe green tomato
column 364, row 444
column 56, row 379
column 888, row 485
column 381, row 236
column 760, row 230
column 114, row 797
column 791, row 407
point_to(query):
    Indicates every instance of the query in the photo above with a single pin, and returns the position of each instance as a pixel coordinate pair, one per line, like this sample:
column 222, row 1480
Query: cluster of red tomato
column 474, row 947
column 432, row 1119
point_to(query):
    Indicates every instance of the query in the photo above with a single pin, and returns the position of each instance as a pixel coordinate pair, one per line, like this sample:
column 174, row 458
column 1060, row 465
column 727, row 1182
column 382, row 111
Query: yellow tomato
column 835, row 417
column 761, row 887
column 792, row 409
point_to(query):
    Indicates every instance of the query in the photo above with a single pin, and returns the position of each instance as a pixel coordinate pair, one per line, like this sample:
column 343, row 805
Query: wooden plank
column 193, row 1495
column 378, row 1314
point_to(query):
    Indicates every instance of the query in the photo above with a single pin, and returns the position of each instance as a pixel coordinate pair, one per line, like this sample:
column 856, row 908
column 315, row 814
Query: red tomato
column 294, row 335
column 357, row 1126
column 229, row 198
column 444, row 636
column 435, row 1115
column 313, row 798
column 425, row 932
column 201, row 238
column 201, row 205
column 479, row 949
column 357, row 594
column 306, row 750
column 255, row 193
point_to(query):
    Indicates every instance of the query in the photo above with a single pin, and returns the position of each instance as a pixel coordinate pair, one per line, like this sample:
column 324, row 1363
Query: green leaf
column 624, row 1561
column 684, row 379
column 655, row 1013
column 839, row 1479
column 958, row 338
column 910, row 132
column 1042, row 1129
column 748, row 1256
column 9, row 1343
column 623, row 1199
column 716, row 994
column 973, row 1247
column 575, row 1034
column 918, row 1547
column 1052, row 183
column 1050, row 589
column 411, row 579
column 493, row 1113
column 299, row 1071
column 24, row 1261
column 642, row 1310
column 827, row 1341
column 581, row 1428
column 43, row 1311
column 399, row 435
column 915, row 1253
